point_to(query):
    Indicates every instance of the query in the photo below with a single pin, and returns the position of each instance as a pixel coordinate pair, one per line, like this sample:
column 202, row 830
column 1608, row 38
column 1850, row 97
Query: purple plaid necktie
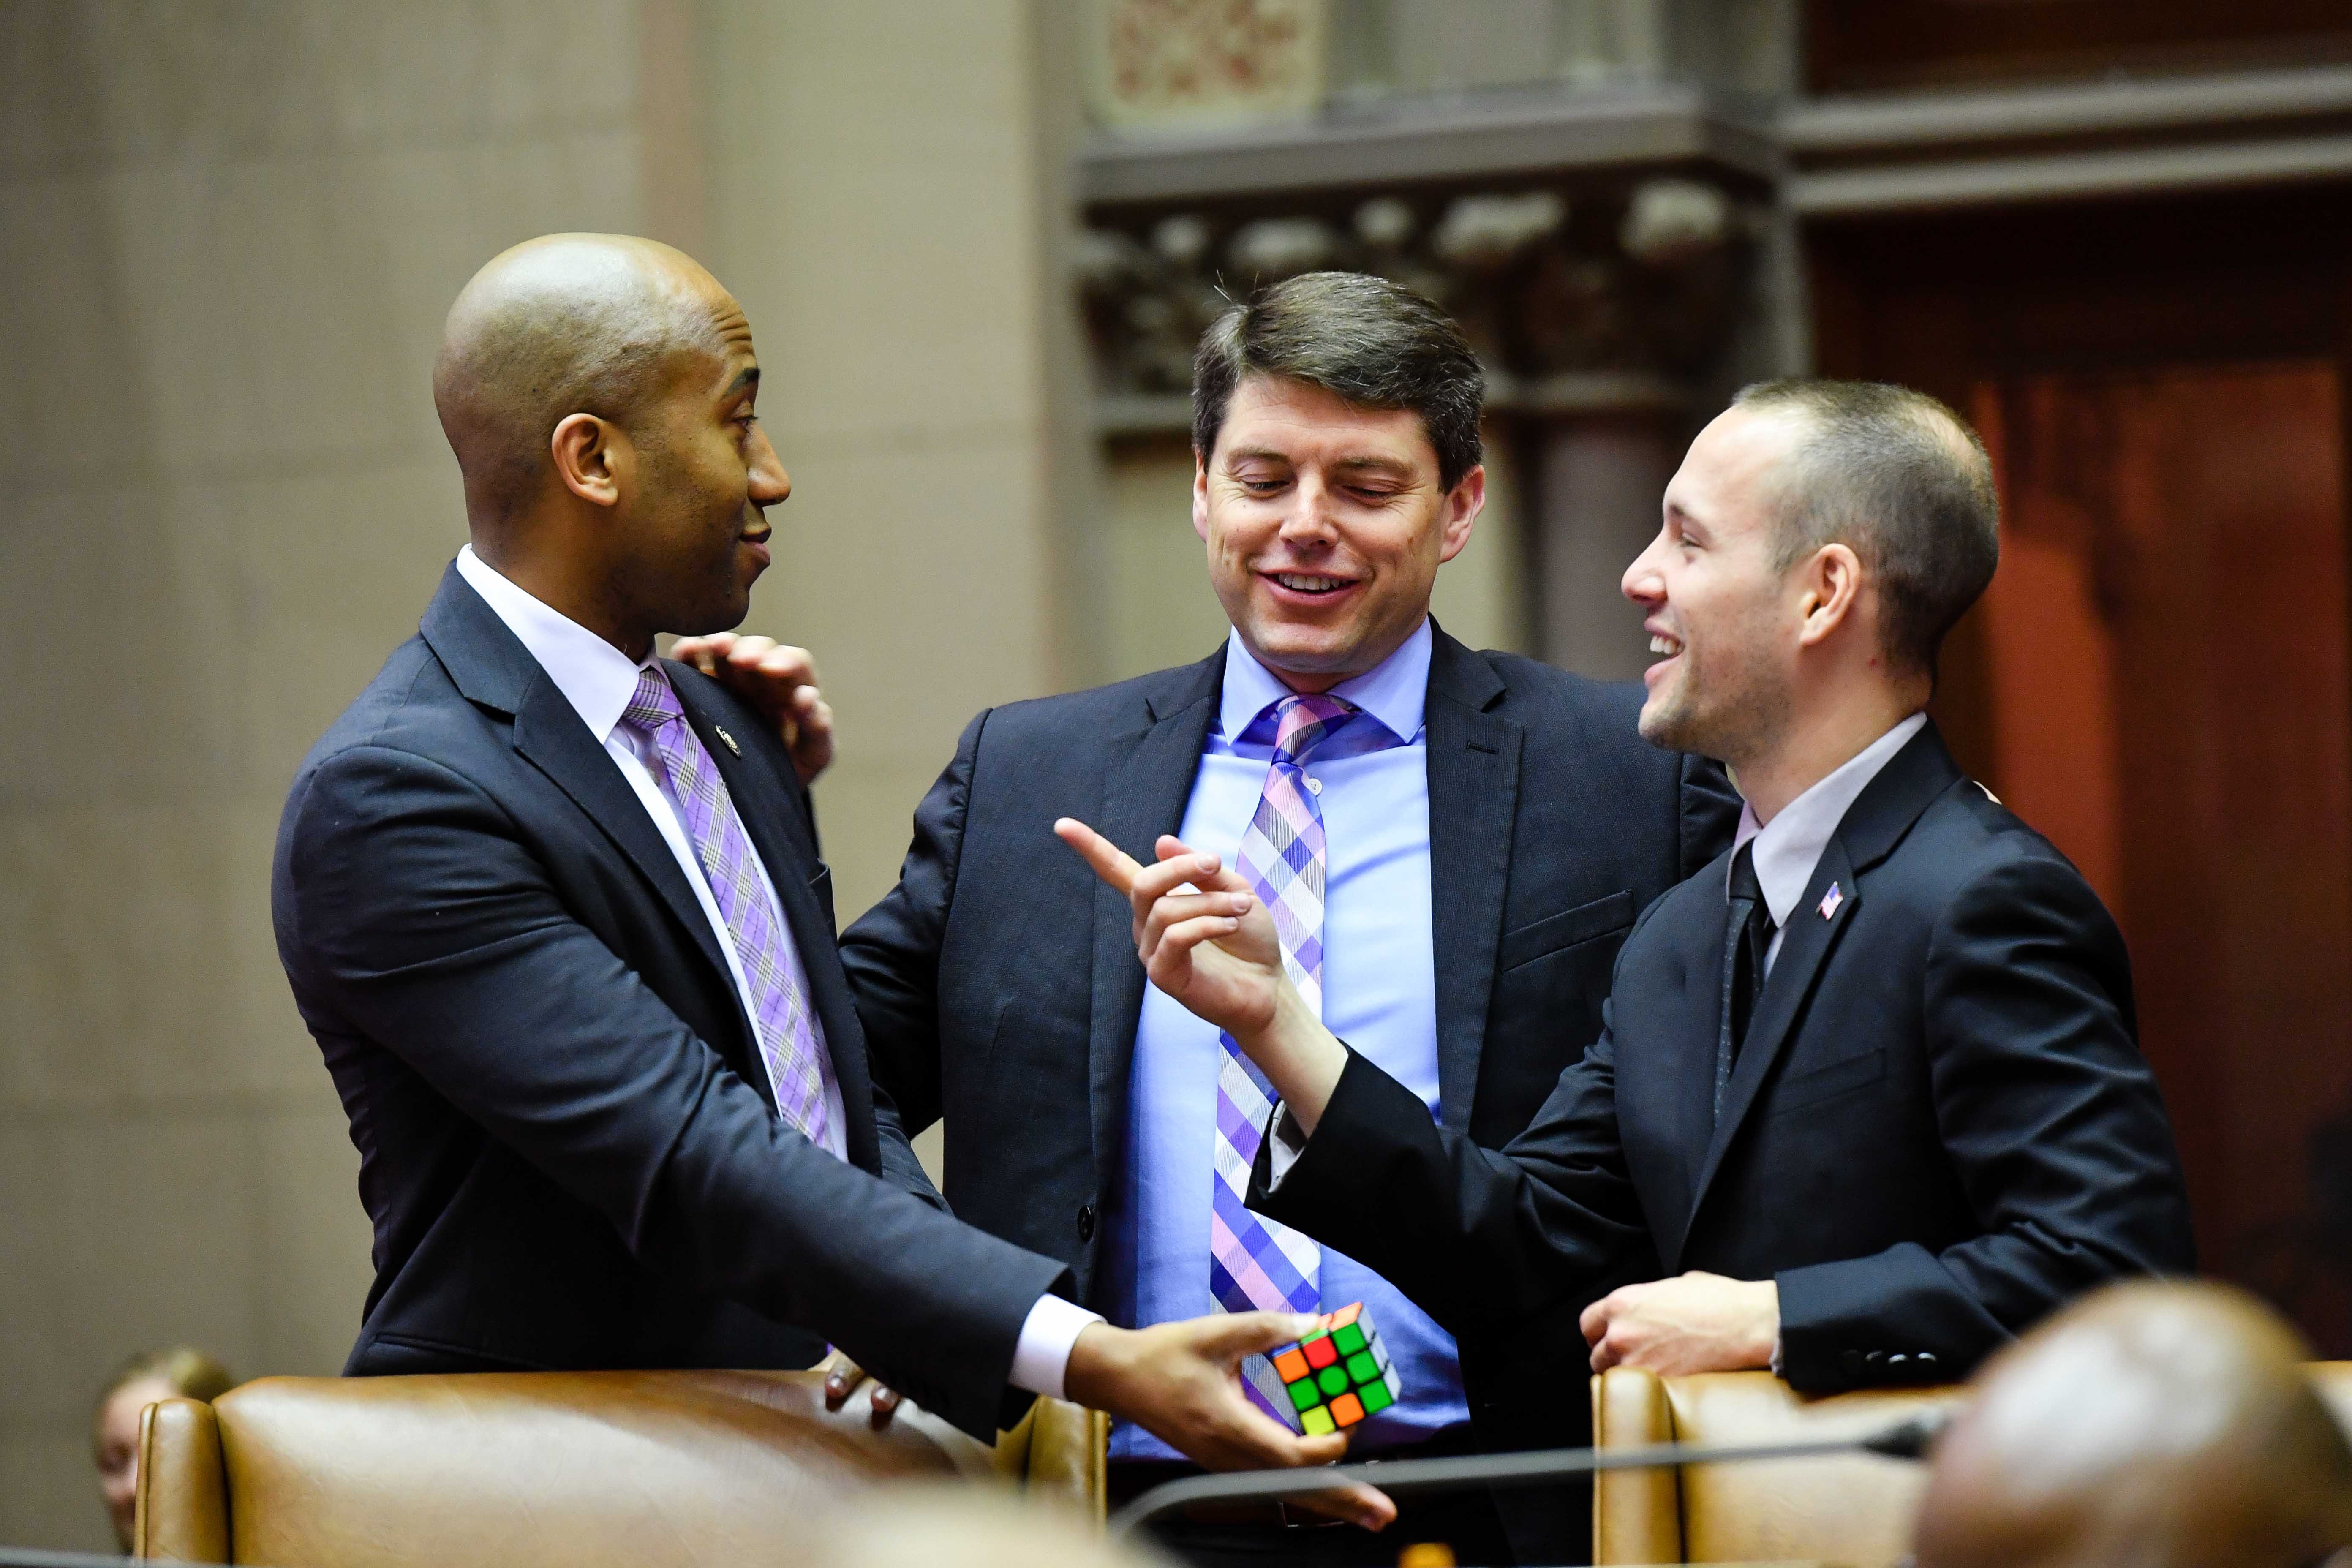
column 792, row 1045
column 1255, row 1264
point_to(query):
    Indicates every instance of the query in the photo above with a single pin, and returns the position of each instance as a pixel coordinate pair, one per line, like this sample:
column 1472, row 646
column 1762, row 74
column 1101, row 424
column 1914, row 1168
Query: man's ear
column 1201, row 495
column 1833, row 588
column 590, row 455
column 1463, row 502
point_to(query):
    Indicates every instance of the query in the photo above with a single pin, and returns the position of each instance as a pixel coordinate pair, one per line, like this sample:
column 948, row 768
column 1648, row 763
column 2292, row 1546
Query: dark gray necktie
column 1747, row 938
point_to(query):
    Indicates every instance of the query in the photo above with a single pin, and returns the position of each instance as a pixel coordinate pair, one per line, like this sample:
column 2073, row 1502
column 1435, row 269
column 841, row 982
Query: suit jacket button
column 1926, row 1357
column 1852, row 1362
column 1085, row 1222
column 1877, row 1357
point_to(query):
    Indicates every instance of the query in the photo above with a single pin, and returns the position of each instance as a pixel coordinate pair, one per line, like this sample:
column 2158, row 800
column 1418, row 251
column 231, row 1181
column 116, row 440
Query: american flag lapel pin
column 1830, row 900
column 721, row 730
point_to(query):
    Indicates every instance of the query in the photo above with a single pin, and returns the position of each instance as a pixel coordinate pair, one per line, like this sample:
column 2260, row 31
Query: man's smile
column 1309, row 587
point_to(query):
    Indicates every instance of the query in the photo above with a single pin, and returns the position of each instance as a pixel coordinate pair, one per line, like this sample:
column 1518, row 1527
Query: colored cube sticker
column 1337, row 1374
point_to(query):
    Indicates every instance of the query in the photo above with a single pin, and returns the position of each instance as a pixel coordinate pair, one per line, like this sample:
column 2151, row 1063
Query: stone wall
column 229, row 234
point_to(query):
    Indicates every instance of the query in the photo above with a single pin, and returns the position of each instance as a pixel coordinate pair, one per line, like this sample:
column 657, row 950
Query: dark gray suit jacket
column 566, row 1146
column 1939, row 1128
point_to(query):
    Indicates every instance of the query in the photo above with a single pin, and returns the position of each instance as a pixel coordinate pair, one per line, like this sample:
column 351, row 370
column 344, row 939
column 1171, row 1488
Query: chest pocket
column 1553, row 933
column 1799, row 1089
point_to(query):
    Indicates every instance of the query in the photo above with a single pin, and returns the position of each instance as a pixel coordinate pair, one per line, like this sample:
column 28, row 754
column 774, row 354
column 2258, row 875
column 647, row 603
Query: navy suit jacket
column 998, row 982
column 1938, row 1128
column 566, row 1146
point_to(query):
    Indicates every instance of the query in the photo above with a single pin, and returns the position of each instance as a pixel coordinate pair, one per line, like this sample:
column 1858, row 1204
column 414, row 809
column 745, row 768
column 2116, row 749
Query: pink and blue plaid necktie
column 790, row 1041
column 1255, row 1264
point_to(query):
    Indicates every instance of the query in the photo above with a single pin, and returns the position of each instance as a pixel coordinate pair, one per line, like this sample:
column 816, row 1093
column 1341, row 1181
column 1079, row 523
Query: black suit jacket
column 999, row 979
column 569, row 1154
column 1938, row 1128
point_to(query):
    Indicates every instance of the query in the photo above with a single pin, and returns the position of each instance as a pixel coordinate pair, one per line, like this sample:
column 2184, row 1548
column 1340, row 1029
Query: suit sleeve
column 1484, row 1241
column 892, row 953
column 900, row 1165
column 2051, row 1119
column 420, row 915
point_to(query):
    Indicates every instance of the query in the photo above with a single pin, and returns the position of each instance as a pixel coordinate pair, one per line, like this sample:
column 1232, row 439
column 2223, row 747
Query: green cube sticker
column 1342, row 1354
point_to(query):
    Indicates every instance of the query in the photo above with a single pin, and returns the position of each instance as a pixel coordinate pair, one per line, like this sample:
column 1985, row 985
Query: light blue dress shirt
column 1379, row 995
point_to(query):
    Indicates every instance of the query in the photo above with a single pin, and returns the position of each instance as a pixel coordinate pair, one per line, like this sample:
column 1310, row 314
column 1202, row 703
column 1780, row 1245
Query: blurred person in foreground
column 1463, row 838
column 180, row 1373
column 966, row 1526
column 2149, row 1426
column 554, row 910
column 1868, row 1090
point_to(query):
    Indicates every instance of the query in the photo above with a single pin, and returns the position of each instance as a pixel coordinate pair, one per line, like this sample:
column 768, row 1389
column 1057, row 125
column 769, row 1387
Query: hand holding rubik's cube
column 1337, row 1374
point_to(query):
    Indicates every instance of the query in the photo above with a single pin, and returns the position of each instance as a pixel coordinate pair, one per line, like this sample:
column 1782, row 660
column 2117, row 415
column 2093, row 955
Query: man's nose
column 1308, row 519
column 1644, row 582
column 770, row 483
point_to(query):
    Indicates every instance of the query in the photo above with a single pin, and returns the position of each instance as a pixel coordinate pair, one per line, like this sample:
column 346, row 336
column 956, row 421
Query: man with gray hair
column 1868, row 1094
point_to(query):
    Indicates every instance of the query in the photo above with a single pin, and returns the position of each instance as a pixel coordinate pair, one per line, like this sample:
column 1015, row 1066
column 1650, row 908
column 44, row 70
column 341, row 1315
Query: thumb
column 1238, row 1334
column 1329, row 1449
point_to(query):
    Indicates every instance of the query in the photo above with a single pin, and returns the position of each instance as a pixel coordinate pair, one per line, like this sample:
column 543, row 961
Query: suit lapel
column 1146, row 781
column 772, row 819
column 490, row 667
column 1473, row 793
column 1699, row 1013
column 1869, row 832
column 1806, row 944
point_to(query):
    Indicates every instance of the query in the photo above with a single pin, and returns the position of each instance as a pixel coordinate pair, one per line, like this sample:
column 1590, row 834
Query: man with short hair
column 1868, row 1098
column 2167, row 1426
column 554, row 910
column 1463, row 839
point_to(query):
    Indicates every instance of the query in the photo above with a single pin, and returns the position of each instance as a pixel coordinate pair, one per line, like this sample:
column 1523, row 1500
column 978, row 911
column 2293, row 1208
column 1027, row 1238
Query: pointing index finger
column 1111, row 863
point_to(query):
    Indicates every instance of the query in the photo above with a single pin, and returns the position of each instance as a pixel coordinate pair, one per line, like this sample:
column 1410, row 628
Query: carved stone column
column 1595, row 495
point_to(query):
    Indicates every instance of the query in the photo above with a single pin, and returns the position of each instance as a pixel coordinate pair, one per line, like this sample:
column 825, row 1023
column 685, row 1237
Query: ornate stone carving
column 1157, row 62
column 1547, row 280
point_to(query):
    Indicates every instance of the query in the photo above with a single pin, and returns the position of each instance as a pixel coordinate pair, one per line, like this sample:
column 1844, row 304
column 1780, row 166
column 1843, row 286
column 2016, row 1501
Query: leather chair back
column 1855, row 1511
column 521, row 1470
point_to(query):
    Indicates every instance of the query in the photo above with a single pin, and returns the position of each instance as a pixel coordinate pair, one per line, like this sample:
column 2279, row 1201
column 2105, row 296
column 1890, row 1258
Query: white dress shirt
column 598, row 679
column 1789, row 846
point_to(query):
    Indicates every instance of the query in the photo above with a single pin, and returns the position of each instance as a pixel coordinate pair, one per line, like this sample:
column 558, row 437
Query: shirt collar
column 594, row 677
column 1789, row 846
column 1394, row 691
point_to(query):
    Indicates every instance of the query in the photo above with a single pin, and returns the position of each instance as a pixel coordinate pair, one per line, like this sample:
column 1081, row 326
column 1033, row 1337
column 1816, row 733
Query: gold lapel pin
column 721, row 730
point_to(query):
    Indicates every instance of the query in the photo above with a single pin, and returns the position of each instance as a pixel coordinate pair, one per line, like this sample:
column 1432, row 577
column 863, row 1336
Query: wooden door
column 2161, row 678
column 2170, row 692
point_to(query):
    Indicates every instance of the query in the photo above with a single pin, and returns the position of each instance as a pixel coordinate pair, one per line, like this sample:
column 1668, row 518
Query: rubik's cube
column 1339, row 1373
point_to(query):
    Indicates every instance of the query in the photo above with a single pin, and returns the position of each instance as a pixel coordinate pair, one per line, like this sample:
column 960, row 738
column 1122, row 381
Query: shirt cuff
column 1282, row 1131
column 1042, row 1356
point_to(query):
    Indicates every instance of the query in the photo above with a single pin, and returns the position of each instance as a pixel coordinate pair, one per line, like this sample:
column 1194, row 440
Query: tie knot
column 1744, row 882
column 1303, row 721
column 653, row 704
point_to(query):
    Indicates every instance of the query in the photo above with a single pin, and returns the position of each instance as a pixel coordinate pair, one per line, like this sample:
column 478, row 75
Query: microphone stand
column 1908, row 1440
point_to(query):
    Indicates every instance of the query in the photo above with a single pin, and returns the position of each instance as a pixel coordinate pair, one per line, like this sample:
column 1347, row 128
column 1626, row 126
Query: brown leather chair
column 520, row 1470
column 1855, row 1511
